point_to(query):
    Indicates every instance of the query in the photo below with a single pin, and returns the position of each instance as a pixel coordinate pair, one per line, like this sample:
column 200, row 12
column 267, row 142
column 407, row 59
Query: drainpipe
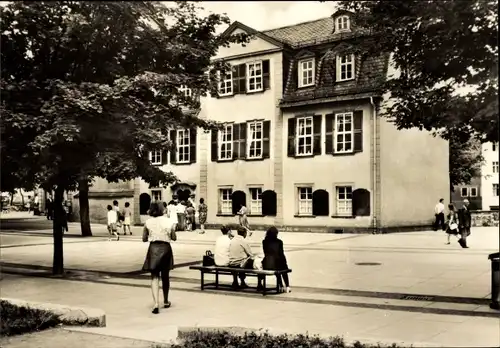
column 374, row 149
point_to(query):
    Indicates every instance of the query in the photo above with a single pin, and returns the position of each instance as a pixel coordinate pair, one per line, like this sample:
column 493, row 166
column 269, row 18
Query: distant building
column 489, row 177
column 472, row 192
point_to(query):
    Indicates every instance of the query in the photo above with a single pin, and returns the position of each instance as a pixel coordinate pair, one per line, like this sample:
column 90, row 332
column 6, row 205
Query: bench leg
column 216, row 280
column 202, row 280
column 264, row 287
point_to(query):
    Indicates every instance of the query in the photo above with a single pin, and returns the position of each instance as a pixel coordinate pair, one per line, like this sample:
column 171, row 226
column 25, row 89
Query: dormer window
column 342, row 24
column 306, row 72
column 345, row 67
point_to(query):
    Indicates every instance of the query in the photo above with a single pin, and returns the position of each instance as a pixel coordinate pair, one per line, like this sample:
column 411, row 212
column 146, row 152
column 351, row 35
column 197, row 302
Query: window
column 464, row 192
column 255, row 139
column 344, row 200
column 495, row 190
column 305, row 200
column 186, row 91
column 495, row 166
column 343, row 132
column 226, row 84
column 304, row 136
column 256, row 201
column 306, row 72
column 155, row 157
column 183, row 146
column 345, row 67
column 342, row 24
column 156, row 195
column 226, row 142
column 254, row 81
column 473, row 191
column 226, row 205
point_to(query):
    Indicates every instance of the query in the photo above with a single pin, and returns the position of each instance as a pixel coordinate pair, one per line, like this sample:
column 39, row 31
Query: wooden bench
column 231, row 270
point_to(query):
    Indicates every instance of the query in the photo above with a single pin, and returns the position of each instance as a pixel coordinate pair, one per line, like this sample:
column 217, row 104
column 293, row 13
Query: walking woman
column 243, row 219
column 202, row 215
column 159, row 231
column 452, row 223
column 275, row 259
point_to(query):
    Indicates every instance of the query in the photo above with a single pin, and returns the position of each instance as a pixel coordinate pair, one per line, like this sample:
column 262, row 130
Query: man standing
column 439, row 213
column 464, row 223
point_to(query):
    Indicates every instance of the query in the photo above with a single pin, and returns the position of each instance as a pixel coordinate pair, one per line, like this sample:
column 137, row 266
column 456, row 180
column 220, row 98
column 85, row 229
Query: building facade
column 303, row 145
column 489, row 177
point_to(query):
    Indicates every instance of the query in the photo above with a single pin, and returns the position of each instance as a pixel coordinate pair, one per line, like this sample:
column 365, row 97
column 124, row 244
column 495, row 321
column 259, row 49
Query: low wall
column 484, row 218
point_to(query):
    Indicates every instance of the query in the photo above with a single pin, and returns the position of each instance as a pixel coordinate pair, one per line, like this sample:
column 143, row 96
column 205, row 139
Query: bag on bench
column 208, row 259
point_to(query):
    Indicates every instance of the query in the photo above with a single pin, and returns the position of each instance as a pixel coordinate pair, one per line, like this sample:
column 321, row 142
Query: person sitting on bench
column 240, row 255
column 221, row 257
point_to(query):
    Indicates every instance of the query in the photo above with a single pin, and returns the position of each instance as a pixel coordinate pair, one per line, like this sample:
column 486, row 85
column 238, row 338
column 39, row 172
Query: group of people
column 119, row 219
column 457, row 222
column 184, row 214
column 235, row 251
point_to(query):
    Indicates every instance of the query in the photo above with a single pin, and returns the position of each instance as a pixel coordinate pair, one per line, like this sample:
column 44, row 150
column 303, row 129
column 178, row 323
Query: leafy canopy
column 89, row 88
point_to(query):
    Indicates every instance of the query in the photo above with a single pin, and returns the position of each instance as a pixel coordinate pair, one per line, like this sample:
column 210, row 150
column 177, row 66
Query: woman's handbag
column 208, row 259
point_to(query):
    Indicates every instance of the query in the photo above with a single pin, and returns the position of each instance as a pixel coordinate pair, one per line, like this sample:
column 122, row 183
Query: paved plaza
column 405, row 287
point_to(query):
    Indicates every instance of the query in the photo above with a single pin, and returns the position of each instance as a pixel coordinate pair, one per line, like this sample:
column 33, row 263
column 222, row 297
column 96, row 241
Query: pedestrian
column 243, row 219
column 127, row 219
column 36, row 205
column 116, row 207
column 195, row 218
column 451, row 223
column 49, row 205
column 202, row 215
column 112, row 220
column 464, row 223
column 274, row 259
column 64, row 217
column 159, row 258
column 181, row 215
column 190, row 219
column 439, row 215
column 28, row 204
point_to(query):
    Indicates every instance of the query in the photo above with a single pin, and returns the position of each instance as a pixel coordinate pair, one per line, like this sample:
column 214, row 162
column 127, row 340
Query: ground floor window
column 305, row 202
column 256, row 201
column 344, row 200
column 156, row 195
column 225, row 202
column 495, row 190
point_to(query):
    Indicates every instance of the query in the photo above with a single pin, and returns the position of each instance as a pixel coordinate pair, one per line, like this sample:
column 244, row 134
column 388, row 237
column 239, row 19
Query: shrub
column 18, row 320
column 212, row 339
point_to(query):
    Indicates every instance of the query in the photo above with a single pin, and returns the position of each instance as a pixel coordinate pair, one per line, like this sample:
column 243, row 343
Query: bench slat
column 239, row 270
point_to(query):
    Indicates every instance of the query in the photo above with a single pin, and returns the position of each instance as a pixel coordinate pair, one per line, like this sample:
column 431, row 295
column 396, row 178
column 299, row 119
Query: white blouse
column 159, row 229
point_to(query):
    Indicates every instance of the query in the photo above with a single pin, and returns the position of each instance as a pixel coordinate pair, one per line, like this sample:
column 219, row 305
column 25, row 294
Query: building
column 472, row 192
column 303, row 146
column 489, row 177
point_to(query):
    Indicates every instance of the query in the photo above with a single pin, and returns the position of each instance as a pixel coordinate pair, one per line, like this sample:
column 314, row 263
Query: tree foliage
column 89, row 88
column 438, row 46
column 465, row 161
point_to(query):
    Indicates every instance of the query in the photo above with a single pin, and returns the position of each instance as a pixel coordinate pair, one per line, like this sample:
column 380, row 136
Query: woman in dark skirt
column 159, row 259
column 274, row 258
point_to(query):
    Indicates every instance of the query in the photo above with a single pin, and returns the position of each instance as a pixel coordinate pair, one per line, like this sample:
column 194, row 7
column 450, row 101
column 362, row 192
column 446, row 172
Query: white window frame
column 226, row 83
column 156, row 192
column 495, row 190
column 224, row 134
column 183, row 134
column 226, row 205
column 342, row 24
column 255, row 204
column 495, row 167
column 255, row 141
column 305, row 69
column 466, row 192
column 157, row 158
column 344, row 133
column 343, row 206
column 473, row 189
column 340, row 65
column 188, row 92
column 305, row 136
column 256, row 79
column 305, row 205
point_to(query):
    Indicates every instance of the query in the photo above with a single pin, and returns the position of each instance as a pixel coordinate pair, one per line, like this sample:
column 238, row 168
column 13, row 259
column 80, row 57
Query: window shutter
column 320, row 203
column 266, row 74
column 266, row 136
column 214, row 147
column 317, row 134
column 361, row 202
column 236, row 141
column 239, row 78
column 292, row 125
column 236, row 78
column 358, row 130
column 164, row 157
column 192, row 145
column 329, row 120
column 173, row 150
column 243, row 141
column 269, row 203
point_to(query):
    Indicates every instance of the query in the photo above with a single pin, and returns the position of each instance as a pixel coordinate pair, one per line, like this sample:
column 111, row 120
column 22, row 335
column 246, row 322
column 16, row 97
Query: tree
column 465, row 161
column 439, row 46
column 103, row 83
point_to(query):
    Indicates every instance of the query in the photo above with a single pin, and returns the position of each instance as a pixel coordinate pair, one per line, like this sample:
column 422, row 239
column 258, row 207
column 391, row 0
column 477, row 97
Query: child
column 112, row 220
column 452, row 223
column 127, row 217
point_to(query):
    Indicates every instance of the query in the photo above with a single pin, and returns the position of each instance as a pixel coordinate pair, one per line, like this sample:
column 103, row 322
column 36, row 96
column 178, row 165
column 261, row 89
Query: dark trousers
column 464, row 232
column 248, row 265
column 439, row 223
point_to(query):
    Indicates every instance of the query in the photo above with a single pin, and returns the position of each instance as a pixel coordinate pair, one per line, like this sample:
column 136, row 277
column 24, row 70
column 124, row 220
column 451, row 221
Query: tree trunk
column 59, row 218
column 12, row 198
column 83, row 198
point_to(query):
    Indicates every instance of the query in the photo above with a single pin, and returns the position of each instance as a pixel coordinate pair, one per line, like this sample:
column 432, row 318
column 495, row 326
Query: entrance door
column 183, row 195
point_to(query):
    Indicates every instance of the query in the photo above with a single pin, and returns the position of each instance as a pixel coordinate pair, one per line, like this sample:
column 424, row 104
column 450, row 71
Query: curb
column 82, row 316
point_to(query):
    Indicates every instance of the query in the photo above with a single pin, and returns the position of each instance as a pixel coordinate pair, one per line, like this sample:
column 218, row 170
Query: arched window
column 342, row 23
column 361, row 202
column 320, row 203
column 238, row 198
column 269, row 203
column 144, row 203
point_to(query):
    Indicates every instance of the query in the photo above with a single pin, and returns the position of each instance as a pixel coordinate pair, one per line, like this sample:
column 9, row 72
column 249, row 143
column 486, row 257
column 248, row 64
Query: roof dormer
column 342, row 21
